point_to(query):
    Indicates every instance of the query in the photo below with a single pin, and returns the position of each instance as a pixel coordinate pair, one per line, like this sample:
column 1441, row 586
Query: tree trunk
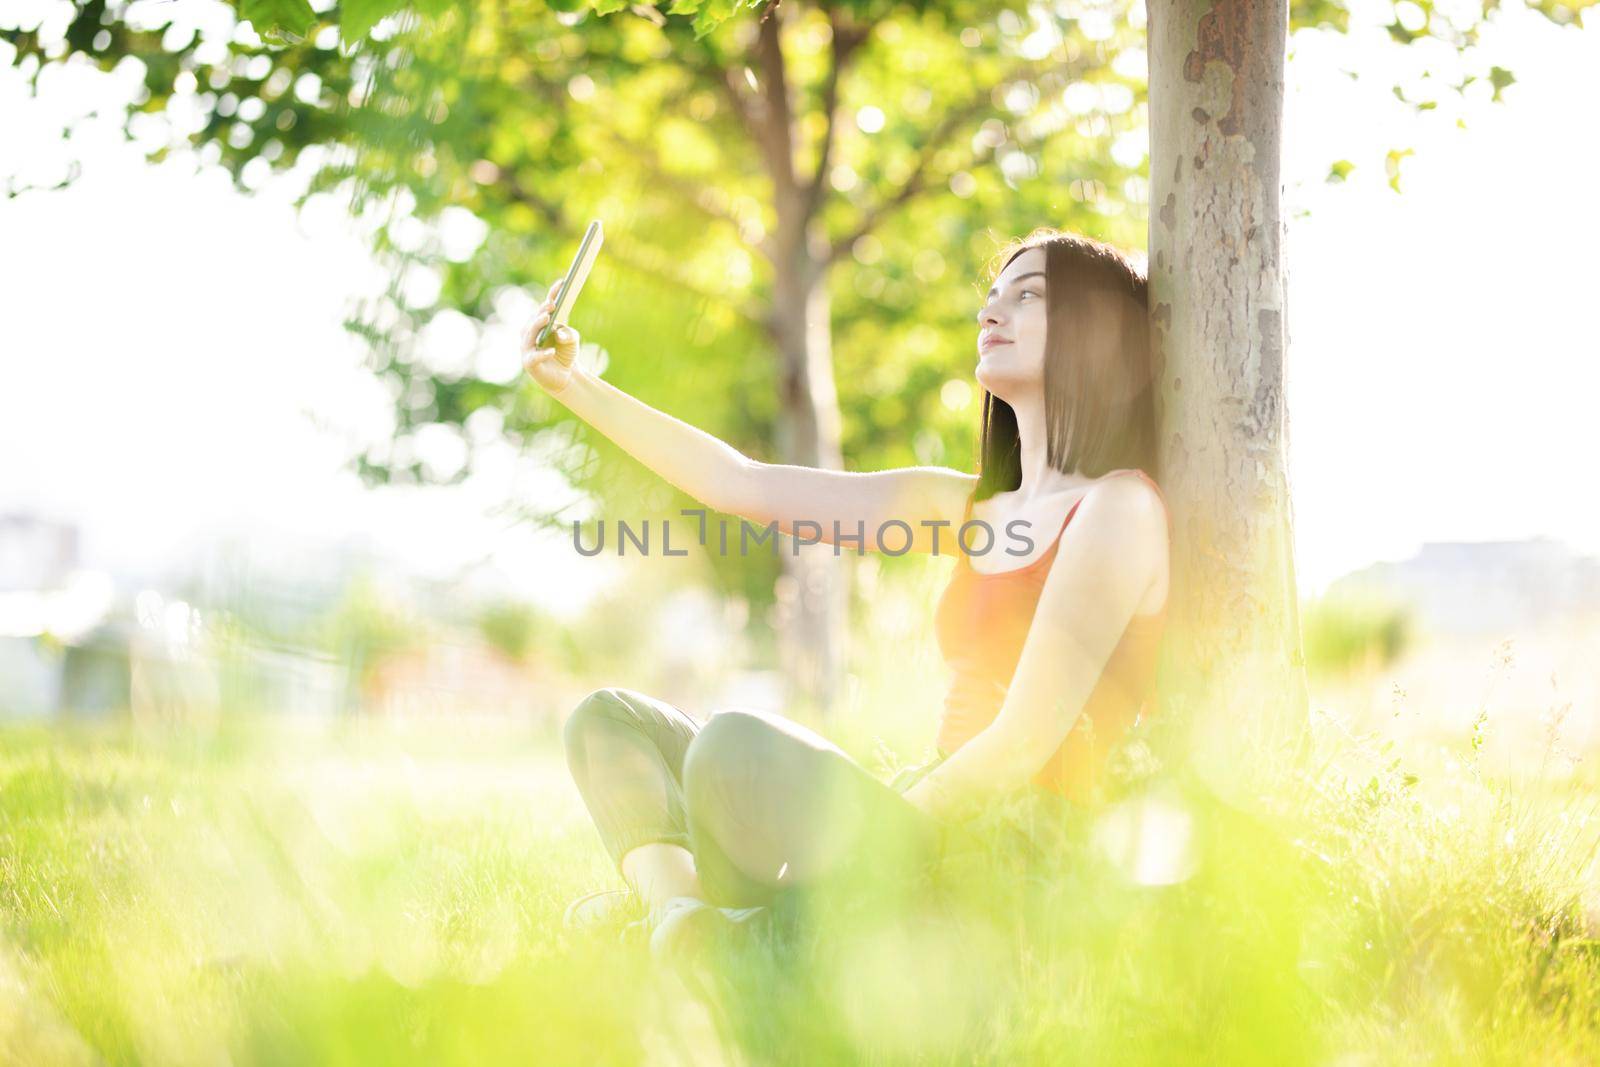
column 813, row 592
column 1235, row 674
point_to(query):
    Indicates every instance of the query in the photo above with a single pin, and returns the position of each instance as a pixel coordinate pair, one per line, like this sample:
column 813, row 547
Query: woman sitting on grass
column 1052, row 642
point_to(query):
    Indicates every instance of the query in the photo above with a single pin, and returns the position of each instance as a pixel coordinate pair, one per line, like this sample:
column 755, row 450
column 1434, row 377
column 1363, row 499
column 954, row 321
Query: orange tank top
column 981, row 623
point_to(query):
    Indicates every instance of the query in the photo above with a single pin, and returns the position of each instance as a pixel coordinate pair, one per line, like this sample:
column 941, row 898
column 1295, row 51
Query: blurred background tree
column 512, row 628
column 367, row 628
column 802, row 203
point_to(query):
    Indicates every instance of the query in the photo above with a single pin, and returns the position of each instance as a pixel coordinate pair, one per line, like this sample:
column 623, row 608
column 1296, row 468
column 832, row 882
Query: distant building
column 1474, row 588
column 245, row 624
column 35, row 552
column 52, row 619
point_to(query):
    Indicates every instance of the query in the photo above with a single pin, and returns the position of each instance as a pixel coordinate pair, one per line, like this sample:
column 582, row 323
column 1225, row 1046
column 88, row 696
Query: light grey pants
column 763, row 803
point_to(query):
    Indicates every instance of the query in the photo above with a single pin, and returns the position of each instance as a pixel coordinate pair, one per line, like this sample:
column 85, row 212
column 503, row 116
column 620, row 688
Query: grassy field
column 262, row 893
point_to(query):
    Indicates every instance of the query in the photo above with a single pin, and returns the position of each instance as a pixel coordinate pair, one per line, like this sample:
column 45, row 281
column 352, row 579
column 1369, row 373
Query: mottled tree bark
column 1234, row 671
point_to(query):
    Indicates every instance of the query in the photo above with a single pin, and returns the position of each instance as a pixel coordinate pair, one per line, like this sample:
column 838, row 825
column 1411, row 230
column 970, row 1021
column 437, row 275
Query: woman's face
column 1014, row 315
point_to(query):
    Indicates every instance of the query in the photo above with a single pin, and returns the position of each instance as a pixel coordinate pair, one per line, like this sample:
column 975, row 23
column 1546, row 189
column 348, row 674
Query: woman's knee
column 601, row 712
column 725, row 750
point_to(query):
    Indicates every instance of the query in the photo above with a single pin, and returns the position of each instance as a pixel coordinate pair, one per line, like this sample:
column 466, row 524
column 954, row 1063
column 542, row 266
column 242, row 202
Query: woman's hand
column 550, row 367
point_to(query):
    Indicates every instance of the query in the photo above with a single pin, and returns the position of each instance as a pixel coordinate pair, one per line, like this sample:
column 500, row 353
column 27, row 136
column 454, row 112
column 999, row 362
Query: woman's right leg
column 774, row 806
column 765, row 804
column 625, row 751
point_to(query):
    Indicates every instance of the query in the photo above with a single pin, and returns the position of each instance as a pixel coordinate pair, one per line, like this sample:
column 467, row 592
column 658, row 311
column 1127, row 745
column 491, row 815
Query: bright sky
column 1443, row 351
column 165, row 336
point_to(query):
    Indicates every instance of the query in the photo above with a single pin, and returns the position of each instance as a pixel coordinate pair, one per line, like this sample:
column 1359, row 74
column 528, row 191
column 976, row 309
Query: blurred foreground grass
column 263, row 893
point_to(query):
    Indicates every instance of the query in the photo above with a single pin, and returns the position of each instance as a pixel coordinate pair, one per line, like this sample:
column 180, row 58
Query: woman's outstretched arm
column 929, row 501
column 701, row 464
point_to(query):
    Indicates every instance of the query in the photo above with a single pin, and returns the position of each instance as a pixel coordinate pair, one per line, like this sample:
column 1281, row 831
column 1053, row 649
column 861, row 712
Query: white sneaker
column 687, row 926
column 602, row 909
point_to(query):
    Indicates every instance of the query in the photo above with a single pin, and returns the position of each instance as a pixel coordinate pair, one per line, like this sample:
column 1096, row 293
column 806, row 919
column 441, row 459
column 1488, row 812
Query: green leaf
column 1391, row 164
column 608, row 7
column 357, row 17
column 1340, row 170
column 273, row 17
column 1500, row 77
column 712, row 15
column 1401, row 34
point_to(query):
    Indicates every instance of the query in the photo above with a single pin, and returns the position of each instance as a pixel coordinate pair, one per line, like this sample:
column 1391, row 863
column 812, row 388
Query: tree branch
column 847, row 37
column 725, row 75
column 686, row 188
column 953, row 121
column 551, row 212
column 774, row 116
column 622, row 251
column 730, row 85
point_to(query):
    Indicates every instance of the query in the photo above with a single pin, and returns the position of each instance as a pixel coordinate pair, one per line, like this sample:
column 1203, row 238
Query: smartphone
column 572, row 284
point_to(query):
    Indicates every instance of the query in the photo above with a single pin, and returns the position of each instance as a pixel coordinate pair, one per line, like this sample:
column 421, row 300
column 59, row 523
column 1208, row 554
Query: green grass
column 268, row 895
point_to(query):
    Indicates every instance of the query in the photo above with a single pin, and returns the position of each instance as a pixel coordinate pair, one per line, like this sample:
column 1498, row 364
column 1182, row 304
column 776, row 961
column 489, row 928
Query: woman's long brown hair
column 1099, row 381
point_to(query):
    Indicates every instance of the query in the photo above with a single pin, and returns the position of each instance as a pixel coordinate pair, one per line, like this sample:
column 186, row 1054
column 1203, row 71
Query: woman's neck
column 1039, row 477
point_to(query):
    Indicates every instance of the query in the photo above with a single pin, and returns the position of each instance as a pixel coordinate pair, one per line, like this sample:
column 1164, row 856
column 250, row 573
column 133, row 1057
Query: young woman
column 1051, row 637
